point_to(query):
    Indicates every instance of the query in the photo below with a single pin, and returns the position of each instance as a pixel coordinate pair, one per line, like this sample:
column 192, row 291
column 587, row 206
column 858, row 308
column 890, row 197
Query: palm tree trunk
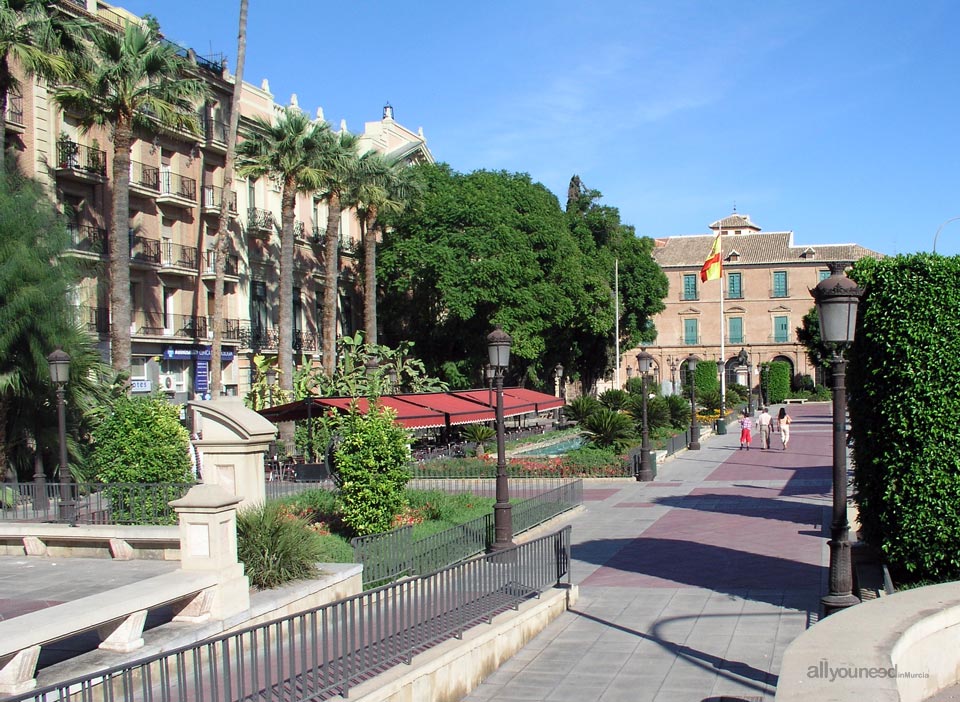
column 4, row 97
column 285, row 344
column 221, row 248
column 120, row 303
column 370, row 278
column 331, row 287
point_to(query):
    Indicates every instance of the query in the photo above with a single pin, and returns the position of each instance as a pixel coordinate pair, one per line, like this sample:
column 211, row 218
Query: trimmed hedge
column 903, row 380
column 775, row 377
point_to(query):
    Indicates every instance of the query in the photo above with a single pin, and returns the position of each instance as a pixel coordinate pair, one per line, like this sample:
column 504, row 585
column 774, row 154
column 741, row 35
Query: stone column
column 208, row 543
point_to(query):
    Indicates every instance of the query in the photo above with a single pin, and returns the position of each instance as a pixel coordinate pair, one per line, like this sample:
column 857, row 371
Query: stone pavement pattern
column 691, row 587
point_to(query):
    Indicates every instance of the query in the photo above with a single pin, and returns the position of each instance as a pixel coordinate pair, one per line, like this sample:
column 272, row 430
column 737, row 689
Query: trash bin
column 653, row 463
column 721, row 426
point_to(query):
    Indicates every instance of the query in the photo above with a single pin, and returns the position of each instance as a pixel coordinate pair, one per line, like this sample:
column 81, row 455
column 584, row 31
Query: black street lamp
column 498, row 348
column 41, row 502
column 837, row 298
column 644, row 365
column 557, row 377
column 694, row 444
column 60, row 374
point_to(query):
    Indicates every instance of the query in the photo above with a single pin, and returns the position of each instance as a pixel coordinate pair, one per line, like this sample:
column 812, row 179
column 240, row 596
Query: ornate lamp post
column 673, row 375
column 644, row 364
column 837, row 298
column 744, row 359
column 694, row 444
column 60, row 374
column 498, row 348
column 41, row 502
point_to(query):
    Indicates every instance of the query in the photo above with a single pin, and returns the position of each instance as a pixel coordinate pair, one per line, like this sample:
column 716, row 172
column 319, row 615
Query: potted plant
column 479, row 434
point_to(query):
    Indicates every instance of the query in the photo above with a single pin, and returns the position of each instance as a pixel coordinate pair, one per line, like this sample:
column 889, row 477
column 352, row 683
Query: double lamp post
column 498, row 348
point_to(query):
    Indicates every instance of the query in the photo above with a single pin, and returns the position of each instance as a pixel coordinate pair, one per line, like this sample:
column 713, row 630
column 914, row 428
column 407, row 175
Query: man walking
column 763, row 422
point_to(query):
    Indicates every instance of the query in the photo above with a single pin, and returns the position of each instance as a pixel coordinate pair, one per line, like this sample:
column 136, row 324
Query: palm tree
column 609, row 429
column 381, row 186
column 137, row 81
column 31, row 37
column 341, row 163
column 222, row 240
column 290, row 151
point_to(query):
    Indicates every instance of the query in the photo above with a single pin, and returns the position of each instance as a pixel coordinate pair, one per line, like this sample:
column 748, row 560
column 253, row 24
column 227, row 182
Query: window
column 251, row 193
column 779, row 284
column 258, row 307
column 690, row 286
column 734, row 286
column 781, row 330
column 735, row 330
column 297, row 312
column 822, row 275
column 691, row 335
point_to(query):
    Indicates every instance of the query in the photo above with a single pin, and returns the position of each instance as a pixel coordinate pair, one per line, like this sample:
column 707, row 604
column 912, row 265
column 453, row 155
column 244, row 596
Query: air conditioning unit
column 168, row 383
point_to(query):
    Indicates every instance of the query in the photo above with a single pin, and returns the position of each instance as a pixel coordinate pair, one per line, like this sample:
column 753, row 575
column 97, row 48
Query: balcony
column 95, row 319
column 254, row 336
column 231, row 328
column 144, row 251
column 319, row 235
column 349, row 247
column 14, row 113
column 87, row 240
column 144, row 179
column 305, row 341
column 176, row 189
column 231, row 269
column 80, row 162
column 161, row 324
column 216, row 133
column 213, row 198
column 260, row 222
column 178, row 259
column 298, row 232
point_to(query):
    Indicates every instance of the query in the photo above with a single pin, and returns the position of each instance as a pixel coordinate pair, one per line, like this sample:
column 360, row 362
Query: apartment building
column 766, row 287
column 176, row 189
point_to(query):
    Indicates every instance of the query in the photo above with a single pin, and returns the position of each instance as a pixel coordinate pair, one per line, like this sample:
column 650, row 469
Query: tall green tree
column 380, row 187
column 136, row 81
column 34, row 37
column 341, row 163
column 35, row 318
column 289, row 150
column 222, row 243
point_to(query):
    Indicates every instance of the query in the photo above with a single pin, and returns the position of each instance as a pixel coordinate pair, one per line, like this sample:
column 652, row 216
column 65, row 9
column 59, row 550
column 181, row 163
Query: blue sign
column 185, row 353
column 201, row 380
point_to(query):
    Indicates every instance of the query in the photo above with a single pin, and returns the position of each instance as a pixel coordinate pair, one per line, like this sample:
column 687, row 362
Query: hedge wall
column 706, row 377
column 775, row 377
column 903, row 380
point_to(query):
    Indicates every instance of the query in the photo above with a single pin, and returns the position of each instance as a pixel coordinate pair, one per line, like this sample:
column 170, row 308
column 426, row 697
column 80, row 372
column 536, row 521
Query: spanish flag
column 712, row 267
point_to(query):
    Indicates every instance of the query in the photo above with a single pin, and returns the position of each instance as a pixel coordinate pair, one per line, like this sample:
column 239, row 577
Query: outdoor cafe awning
column 426, row 410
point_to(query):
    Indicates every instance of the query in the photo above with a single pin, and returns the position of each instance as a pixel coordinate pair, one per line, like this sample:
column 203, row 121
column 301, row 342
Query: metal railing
column 257, row 337
column 259, row 220
column 78, row 157
column 298, row 230
column 678, row 442
column 215, row 130
column 178, row 256
column 156, row 323
column 305, row 341
column 325, row 651
column 213, row 198
column 14, row 113
column 91, row 503
column 87, row 238
column 96, row 319
column 145, row 176
column 231, row 267
column 395, row 554
column 144, row 250
column 178, row 185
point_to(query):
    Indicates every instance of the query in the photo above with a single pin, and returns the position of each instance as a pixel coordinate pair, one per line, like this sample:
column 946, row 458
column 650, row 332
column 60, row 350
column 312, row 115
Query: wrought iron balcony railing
column 144, row 176
column 255, row 336
column 144, row 250
column 179, row 256
column 96, row 319
column 87, row 238
column 178, row 185
column 213, row 198
column 259, row 220
column 231, row 268
column 215, row 130
column 79, row 157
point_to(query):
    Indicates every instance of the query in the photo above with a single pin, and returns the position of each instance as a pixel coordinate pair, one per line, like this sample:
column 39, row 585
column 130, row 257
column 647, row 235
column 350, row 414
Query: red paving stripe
column 598, row 494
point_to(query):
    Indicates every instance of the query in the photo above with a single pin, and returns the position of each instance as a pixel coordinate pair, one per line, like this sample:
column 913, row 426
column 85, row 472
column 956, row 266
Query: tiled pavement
column 692, row 586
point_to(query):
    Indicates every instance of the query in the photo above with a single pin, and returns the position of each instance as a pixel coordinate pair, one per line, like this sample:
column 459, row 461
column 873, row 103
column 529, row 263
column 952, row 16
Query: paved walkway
column 692, row 586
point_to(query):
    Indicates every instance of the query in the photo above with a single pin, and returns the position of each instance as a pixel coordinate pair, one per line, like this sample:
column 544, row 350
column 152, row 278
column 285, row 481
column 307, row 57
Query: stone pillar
column 743, row 376
column 234, row 440
column 208, row 543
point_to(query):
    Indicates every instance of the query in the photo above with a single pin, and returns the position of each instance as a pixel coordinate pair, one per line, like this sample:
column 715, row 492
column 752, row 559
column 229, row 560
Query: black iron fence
column 79, row 157
column 144, row 250
column 213, row 198
column 179, row 256
column 395, row 554
column 145, row 176
column 95, row 319
column 178, row 185
column 87, row 238
column 91, row 503
column 326, row 651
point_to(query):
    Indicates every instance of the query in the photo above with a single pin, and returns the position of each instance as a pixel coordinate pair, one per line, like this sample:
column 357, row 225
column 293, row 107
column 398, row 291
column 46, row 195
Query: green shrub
column 634, row 385
column 741, row 391
column 614, row 399
column 802, row 383
column 707, row 378
column 580, row 408
column 479, row 434
column 372, row 467
column 142, row 441
column 658, row 412
column 709, row 399
column 903, row 380
column 275, row 546
column 775, row 379
column 679, row 411
column 608, row 429
column 821, row 394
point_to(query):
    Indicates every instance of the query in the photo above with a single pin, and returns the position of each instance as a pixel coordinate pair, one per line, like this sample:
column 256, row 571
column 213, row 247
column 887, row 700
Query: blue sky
column 837, row 120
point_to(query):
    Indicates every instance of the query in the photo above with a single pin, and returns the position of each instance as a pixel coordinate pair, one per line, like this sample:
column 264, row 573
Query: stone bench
column 117, row 615
column 901, row 648
column 794, row 400
column 90, row 541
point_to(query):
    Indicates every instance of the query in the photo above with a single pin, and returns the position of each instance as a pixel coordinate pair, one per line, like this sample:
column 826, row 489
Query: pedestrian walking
column 785, row 421
column 746, row 424
column 763, row 422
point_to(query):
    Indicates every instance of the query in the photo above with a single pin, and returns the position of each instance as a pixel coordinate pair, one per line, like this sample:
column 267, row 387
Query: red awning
column 457, row 409
column 425, row 410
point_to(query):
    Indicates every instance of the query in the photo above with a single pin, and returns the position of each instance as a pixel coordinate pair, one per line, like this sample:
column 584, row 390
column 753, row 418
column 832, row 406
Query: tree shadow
column 750, row 506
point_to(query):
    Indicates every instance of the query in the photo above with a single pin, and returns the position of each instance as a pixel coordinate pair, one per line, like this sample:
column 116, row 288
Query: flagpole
column 723, row 354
